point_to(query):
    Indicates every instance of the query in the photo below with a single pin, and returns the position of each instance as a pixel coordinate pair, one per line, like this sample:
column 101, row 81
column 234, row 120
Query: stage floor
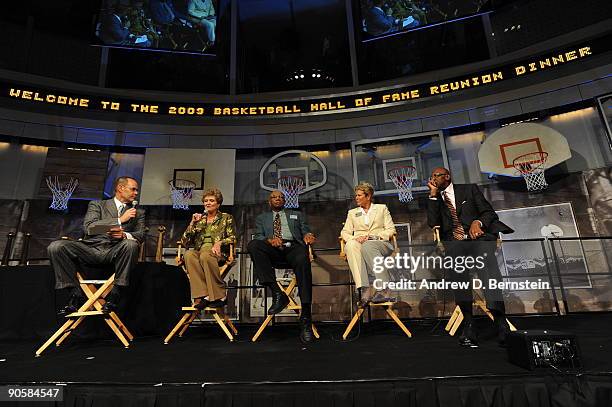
column 381, row 352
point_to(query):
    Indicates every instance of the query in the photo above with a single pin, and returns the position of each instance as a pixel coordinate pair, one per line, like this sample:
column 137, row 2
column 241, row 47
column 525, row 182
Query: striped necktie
column 458, row 231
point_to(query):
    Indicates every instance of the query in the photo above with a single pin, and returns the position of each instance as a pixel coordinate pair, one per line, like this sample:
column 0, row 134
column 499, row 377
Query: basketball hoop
column 61, row 191
column 291, row 187
column 402, row 178
column 531, row 166
column 181, row 191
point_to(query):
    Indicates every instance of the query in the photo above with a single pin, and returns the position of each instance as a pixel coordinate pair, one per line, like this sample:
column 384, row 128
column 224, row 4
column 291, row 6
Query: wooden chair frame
column 293, row 305
column 388, row 306
column 93, row 306
column 218, row 313
column 456, row 317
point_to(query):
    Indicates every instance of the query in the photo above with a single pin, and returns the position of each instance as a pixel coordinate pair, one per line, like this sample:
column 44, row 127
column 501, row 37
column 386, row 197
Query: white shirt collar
column 118, row 204
column 449, row 191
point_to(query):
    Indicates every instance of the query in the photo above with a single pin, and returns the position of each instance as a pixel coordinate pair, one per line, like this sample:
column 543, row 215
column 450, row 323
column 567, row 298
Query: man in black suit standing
column 118, row 247
column 469, row 227
column 282, row 236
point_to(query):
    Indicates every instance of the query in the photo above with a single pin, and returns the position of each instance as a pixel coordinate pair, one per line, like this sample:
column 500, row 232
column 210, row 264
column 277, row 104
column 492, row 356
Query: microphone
column 134, row 203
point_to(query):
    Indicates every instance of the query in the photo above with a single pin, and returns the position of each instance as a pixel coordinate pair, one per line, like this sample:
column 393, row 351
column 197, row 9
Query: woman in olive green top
column 207, row 233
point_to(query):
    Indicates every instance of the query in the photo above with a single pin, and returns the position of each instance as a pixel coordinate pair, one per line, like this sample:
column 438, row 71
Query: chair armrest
column 342, row 253
column 436, row 233
column 180, row 260
column 232, row 252
column 436, row 237
column 310, row 253
column 394, row 242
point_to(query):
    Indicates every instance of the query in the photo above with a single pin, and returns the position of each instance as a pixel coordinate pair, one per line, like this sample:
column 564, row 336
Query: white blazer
column 380, row 223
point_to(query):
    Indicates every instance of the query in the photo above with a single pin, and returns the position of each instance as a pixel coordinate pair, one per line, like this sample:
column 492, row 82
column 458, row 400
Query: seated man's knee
column 301, row 255
column 130, row 245
column 57, row 246
column 255, row 245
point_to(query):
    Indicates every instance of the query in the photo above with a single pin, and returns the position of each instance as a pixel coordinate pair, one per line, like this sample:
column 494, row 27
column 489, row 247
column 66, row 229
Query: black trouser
column 484, row 247
column 67, row 255
column 265, row 256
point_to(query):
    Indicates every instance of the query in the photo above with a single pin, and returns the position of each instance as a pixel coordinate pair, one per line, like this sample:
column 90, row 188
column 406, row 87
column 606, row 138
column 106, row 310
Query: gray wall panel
column 232, row 142
column 314, row 137
column 446, row 121
column 596, row 88
column 272, row 140
column 180, row 141
column 11, row 128
column 59, row 133
column 99, row 136
column 146, row 140
column 551, row 99
column 400, row 128
column 495, row 112
column 356, row 133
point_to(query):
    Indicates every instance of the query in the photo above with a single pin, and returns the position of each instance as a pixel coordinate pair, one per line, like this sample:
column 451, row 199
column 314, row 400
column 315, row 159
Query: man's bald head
column 441, row 177
column 276, row 200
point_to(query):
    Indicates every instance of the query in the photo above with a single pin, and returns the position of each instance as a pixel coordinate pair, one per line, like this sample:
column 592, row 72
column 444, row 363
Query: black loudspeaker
column 543, row 349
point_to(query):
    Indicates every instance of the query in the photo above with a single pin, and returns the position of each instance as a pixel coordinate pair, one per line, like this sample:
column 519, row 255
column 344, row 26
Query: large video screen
column 169, row 25
column 380, row 18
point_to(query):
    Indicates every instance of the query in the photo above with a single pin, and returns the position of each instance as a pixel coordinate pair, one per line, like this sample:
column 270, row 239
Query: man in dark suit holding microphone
column 468, row 227
column 114, row 229
column 282, row 236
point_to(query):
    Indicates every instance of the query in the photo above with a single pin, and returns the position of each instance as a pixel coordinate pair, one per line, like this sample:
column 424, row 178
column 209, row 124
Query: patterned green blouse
column 202, row 234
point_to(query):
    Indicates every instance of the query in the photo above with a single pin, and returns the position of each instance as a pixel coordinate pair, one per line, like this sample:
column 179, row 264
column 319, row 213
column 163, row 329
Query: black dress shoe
column 68, row 309
column 306, row 334
column 503, row 329
column 74, row 303
column 469, row 338
column 279, row 302
column 217, row 303
column 202, row 304
column 109, row 306
column 467, row 342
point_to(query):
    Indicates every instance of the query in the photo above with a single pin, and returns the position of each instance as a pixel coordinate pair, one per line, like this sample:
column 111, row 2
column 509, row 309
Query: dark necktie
column 122, row 209
column 278, row 230
column 458, row 231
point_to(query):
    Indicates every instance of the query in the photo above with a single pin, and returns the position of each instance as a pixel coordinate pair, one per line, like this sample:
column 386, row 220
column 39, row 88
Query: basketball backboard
column 295, row 163
column 374, row 159
column 502, row 147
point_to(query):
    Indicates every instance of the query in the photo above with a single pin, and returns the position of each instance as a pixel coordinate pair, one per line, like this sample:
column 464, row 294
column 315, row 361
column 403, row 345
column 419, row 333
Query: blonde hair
column 366, row 188
column 216, row 192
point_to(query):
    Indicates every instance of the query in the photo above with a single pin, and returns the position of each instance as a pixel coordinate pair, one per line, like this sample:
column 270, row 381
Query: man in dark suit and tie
column 282, row 236
column 118, row 247
column 469, row 227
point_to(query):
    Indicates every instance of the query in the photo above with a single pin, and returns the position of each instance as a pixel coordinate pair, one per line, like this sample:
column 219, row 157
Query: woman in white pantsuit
column 367, row 232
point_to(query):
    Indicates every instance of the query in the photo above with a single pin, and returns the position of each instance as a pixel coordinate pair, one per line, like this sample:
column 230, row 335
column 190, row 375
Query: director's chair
column 457, row 316
column 288, row 290
column 92, row 307
column 387, row 306
column 190, row 313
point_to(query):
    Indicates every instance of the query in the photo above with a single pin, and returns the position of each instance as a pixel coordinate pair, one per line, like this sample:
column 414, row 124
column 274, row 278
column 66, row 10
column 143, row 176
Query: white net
column 181, row 191
column 291, row 187
column 531, row 167
column 402, row 179
column 61, row 190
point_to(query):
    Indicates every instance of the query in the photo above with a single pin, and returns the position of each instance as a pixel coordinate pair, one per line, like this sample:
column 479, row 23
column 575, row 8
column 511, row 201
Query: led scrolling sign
column 347, row 102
